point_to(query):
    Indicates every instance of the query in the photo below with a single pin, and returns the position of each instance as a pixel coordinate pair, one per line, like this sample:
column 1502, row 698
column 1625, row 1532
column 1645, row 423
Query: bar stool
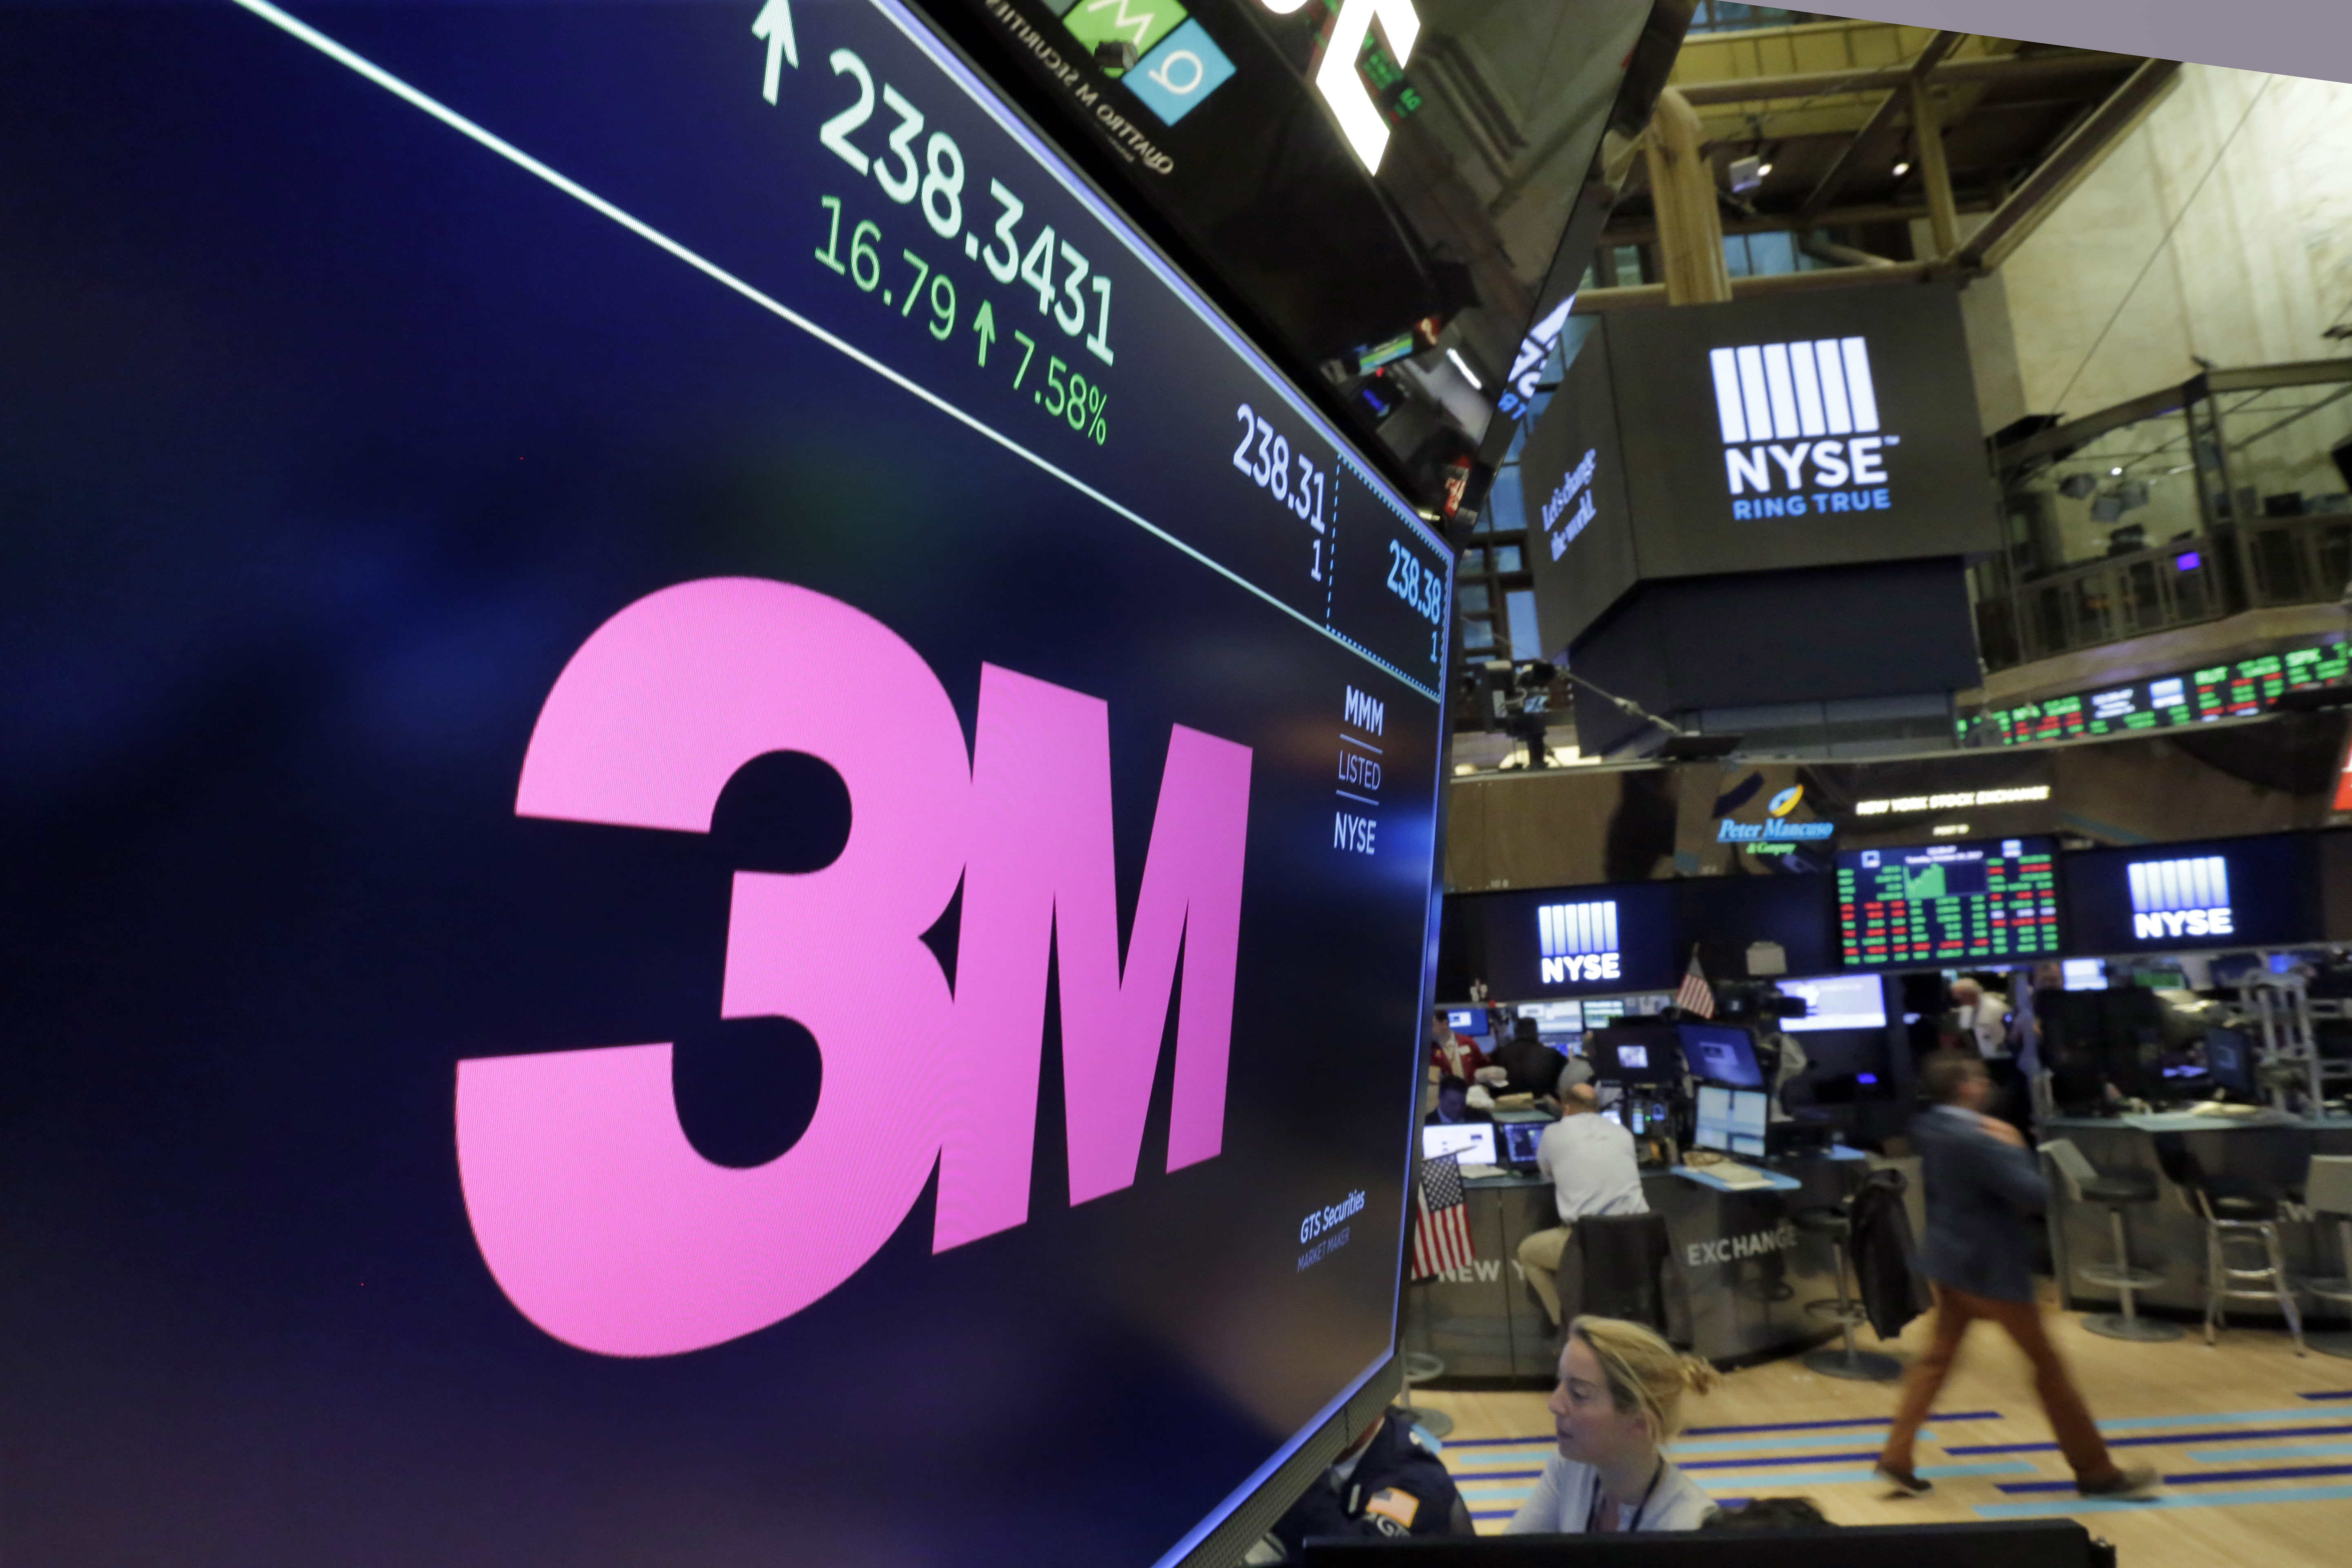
column 1419, row 1366
column 1843, row 1309
column 2117, row 1190
column 2240, row 1213
column 2328, row 1191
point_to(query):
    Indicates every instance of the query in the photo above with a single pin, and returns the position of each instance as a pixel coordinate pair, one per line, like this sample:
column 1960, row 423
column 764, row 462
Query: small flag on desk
column 1440, row 1232
column 1696, row 995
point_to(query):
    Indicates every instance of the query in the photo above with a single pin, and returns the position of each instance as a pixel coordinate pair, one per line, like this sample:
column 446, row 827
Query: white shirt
column 1562, row 1501
column 1589, row 1160
column 1986, row 1018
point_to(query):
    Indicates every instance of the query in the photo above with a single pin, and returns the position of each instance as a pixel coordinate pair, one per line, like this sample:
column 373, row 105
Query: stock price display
column 1946, row 902
column 961, row 261
column 2236, row 690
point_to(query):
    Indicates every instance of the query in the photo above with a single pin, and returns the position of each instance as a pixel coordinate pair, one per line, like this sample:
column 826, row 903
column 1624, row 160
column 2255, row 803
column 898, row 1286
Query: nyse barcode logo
column 2180, row 898
column 1800, row 419
column 1578, row 941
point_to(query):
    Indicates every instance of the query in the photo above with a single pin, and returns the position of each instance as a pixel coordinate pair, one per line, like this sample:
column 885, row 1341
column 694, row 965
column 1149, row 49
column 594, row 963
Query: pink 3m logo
column 597, row 1218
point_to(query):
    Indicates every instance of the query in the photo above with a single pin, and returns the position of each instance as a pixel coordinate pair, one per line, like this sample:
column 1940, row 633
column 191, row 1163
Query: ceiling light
column 1901, row 170
column 2115, row 470
column 1476, row 385
column 1762, row 170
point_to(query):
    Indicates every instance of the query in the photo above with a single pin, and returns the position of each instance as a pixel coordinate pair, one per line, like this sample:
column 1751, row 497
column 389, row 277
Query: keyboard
column 1735, row 1175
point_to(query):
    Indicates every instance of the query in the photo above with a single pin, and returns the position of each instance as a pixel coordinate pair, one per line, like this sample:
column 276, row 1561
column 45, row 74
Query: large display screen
column 597, row 597
column 1948, row 903
column 1781, row 431
column 1609, row 940
column 2227, row 892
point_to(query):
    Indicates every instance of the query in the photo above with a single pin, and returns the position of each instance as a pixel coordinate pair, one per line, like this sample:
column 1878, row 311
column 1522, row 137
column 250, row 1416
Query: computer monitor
column 1521, row 1140
column 1636, row 1054
column 1604, row 1011
column 1466, row 1020
column 2012, row 1544
column 2229, row 1060
column 1714, row 1127
column 1553, row 1018
column 557, row 695
column 1750, row 1110
column 1836, row 1002
column 2084, row 973
column 1472, row 1141
column 1732, row 1120
column 1722, row 1053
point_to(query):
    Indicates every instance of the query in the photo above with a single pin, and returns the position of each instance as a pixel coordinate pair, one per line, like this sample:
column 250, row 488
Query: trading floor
column 2254, row 1444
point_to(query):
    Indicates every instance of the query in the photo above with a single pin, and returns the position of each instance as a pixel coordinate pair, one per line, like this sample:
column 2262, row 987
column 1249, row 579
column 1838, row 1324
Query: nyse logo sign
column 1801, row 429
column 2180, row 898
column 597, row 1218
column 1578, row 941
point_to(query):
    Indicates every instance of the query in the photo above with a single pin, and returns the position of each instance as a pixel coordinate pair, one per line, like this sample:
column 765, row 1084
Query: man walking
column 1983, row 1187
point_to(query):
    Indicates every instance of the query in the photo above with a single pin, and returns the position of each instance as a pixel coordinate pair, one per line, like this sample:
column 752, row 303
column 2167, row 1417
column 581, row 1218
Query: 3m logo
column 1577, row 941
column 596, row 1216
column 2180, row 898
column 1364, row 712
column 1777, row 403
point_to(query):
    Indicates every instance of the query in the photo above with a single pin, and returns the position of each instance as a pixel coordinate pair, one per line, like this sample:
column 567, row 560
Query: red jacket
column 1471, row 1057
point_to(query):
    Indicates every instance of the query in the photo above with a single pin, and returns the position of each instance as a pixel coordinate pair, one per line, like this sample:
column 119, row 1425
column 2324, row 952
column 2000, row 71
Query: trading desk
column 2167, row 1234
column 1743, row 1272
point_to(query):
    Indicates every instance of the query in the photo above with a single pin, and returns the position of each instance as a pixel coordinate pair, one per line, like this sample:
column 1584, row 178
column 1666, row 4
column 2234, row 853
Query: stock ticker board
column 1944, row 903
column 2237, row 691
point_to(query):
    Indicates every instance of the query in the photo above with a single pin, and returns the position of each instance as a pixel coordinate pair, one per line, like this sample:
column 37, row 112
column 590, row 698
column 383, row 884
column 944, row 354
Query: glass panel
column 1478, row 636
column 1507, row 558
column 1474, row 600
column 1524, row 642
column 1505, row 510
column 1473, row 563
column 1770, row 253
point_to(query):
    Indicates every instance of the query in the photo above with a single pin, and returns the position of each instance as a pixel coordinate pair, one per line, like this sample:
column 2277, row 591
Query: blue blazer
column 1981, row 1196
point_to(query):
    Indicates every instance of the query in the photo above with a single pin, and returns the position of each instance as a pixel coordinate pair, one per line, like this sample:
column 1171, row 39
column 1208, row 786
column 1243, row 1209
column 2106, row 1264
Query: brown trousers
column 2069, row 1418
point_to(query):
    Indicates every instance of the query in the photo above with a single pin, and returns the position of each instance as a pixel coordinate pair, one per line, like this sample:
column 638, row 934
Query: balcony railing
column 2291, row 560
column 2247, row 469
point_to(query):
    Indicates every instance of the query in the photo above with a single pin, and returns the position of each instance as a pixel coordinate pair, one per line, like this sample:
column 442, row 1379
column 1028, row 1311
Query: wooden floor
column 2258, row 1469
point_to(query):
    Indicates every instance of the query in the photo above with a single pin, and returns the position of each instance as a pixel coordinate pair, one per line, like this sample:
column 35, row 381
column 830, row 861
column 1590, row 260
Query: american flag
column 1441, row 1233
column 1696, row 995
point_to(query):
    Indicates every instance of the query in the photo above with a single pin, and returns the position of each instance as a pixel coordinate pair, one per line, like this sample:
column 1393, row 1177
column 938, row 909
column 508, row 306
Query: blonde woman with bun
column 1619, row 1399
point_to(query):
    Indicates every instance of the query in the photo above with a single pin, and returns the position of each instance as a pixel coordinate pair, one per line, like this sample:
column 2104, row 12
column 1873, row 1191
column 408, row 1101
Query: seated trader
column 1533, row 1067
column 1451, row 1054
column 1619, row 1399
column 1589, row 1160
column 1382, row 1484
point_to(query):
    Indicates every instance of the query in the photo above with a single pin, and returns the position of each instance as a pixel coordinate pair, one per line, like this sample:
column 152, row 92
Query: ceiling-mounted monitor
column 1834, row 1002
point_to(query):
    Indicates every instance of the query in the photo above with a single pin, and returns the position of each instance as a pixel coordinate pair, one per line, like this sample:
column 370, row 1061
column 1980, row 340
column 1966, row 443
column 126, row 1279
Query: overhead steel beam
column 2299, row 373
column 1593, row 302
column 1975, row 69
column 2015, row 219
column 1866, row 148
column 1646, row 233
